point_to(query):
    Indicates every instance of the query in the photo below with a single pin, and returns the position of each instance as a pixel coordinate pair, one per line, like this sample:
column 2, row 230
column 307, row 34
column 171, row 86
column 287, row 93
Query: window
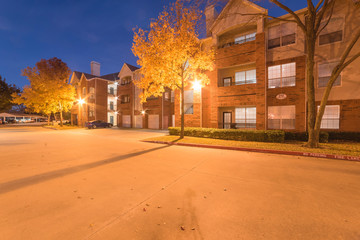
column 111, row 91
column 83, row 92
column 166, row 96
column 92, row 92
column 245, row 38
column 282, row 35
column 331, row 118
column 227, row 81
column 333, row 32
column 125, row 98
column 245, row 117
column 126, row 80
column 111, row 105
column 245, row 77
column 281, row 117
column 324, row 74
column 282, row 75
column 172, row 96
column 91, row 110
column 189, row 102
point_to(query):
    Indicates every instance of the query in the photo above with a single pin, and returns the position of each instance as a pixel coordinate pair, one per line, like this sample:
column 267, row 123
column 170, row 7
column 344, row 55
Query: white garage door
column 138, row 121
column 126, row 121
column 153, row 122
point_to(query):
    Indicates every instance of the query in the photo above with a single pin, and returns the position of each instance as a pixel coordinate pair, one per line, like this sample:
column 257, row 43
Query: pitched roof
column 111, row 76
column 131, row 67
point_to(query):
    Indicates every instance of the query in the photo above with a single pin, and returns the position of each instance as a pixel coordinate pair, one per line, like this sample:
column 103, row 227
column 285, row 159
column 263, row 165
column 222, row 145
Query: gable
column 125, row 71
column 236, row 13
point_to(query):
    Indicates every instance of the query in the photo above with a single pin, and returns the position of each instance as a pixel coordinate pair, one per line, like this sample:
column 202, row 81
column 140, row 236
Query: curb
column 302, row 154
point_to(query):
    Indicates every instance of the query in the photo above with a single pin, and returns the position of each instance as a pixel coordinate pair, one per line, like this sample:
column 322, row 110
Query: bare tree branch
column 319, row 5
column 298, row 20
column 321, row 14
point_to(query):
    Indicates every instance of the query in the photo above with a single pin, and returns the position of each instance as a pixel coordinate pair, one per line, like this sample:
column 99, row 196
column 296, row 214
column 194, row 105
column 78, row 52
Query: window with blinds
column 333, row 31
column 324, row 74
column 245, row 77
column 189, row 102
column 282, row 35
column 281, row 117
column 283, row 75
column 245, row 117
column 331, row 117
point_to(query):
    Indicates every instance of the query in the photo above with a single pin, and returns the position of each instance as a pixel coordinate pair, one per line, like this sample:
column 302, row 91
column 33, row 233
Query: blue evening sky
column 77, row 31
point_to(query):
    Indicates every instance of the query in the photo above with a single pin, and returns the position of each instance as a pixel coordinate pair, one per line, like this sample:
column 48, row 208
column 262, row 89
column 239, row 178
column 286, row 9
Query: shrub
column 344, row 136
column 303, row 136
column 232, row 134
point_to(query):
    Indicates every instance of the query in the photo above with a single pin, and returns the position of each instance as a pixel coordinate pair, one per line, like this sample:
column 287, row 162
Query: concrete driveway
column 105, row 184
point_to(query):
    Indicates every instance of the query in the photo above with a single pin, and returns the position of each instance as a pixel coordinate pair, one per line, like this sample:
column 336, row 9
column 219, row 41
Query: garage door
column 126, row 121
column 153, row 122
column 138, row 121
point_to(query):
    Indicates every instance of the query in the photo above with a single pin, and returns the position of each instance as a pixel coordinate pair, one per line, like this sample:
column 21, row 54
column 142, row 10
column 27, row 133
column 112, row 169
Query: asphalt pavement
column 107, row 184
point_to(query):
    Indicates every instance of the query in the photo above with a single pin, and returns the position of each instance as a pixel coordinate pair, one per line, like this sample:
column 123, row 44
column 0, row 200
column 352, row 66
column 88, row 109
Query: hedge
column 232, row 134
column 344, row 136
column 303, row 136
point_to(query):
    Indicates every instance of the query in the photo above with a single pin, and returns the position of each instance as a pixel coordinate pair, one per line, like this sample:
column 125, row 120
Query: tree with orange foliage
column 171, row 54
column 49, row 91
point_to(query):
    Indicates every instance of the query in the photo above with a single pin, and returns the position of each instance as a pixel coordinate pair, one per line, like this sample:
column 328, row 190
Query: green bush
column 232, row 134
column 344, row 136
column 303, row 136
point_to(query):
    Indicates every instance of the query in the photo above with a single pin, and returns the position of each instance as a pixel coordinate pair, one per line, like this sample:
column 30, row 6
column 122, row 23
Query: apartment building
column 114, row 98
column 259, row 79
column 155, row 113
column 96, row 96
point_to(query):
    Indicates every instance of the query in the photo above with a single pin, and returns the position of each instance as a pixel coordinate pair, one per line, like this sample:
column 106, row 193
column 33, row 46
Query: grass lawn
column 338, row 148
column 58, row 127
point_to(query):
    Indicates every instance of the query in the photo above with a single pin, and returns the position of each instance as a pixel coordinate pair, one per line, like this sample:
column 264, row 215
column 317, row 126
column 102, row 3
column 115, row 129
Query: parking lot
column 107, row 184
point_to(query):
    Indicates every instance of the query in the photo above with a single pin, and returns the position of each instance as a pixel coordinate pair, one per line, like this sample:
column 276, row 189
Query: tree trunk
column 48, row 119
column 182, row 108
column 313, row 140
column 61, row 119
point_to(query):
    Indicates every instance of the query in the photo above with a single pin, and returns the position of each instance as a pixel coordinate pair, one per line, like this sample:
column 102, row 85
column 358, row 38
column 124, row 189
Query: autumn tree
column 49, row 91
column 6, row 91
column 171, row 54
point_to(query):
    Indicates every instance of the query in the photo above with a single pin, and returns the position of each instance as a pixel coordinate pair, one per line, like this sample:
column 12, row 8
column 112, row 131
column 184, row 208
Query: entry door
column 112, row 120
column 227, row 120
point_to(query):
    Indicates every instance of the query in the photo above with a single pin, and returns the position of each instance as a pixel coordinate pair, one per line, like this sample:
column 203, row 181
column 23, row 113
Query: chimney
column 210, row 16
column 95, row 68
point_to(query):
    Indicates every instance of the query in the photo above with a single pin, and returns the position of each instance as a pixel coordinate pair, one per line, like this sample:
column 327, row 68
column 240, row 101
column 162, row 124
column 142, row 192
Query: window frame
column 281, row 76
column 190, row 104
column 281, row 36
column 318, row 78
column 342, row 35
column 245, row 38
column 245, row 119
column 281, row 119
column 338, row 119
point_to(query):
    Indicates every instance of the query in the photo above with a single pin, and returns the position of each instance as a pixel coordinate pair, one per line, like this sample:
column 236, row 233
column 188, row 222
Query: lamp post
column 197, row 86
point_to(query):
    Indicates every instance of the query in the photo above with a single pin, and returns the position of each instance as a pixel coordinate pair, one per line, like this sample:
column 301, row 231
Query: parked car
column 98, row 124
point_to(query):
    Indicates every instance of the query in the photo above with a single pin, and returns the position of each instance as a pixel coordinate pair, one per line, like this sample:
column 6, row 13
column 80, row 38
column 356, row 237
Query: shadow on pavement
column 27, row 181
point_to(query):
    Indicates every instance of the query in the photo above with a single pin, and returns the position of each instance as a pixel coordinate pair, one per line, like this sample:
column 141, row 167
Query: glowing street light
column 197, row 85
column 81, row 101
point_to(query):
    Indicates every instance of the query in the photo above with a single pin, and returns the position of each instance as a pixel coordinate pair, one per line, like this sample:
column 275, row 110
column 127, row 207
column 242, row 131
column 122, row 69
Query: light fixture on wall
column 197, row 85
column 81, row 101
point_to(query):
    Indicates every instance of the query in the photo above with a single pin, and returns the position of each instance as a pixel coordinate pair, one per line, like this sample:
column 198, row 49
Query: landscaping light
column 197, row 85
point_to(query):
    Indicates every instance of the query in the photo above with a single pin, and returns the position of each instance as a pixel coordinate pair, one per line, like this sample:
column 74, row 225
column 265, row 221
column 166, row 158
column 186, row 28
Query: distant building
column 114, row 98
